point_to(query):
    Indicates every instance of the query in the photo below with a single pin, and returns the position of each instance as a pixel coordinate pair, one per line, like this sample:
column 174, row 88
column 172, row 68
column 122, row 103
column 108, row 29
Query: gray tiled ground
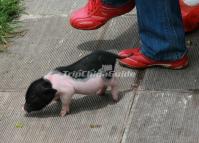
column 50, row 42
column 46, row 126
column 52, row 7
column 166, row 117
column 43, row 47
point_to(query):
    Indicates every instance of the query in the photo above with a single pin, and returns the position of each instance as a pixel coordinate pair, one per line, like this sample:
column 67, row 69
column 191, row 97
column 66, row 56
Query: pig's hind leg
column 114, row 89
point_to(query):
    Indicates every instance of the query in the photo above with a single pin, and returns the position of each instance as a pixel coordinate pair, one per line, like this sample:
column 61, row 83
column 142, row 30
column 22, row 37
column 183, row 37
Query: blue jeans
column 161, row 29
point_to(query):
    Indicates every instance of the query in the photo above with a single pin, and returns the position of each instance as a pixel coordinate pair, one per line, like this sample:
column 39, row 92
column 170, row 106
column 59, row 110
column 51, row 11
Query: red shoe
column 190, row 16
column 95, row 14
column 138, row 60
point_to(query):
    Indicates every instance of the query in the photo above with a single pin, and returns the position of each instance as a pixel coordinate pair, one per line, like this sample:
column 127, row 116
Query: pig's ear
column 48, row 95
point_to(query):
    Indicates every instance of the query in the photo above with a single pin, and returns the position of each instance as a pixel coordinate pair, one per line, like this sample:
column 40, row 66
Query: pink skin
column 102, row 91
column 67, row 87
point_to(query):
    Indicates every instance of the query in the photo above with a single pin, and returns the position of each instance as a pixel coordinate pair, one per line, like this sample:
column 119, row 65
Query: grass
column 10, row 10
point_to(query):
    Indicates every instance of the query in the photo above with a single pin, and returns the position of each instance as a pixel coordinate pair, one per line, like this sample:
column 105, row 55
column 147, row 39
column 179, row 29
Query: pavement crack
column 138, row 79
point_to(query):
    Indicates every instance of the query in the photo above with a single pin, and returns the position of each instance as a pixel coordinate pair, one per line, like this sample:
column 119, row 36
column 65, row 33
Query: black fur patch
column 93, row 63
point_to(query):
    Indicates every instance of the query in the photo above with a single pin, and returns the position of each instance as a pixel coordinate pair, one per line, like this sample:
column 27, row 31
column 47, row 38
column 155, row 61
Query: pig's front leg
column 65, row 110
column 66, row 98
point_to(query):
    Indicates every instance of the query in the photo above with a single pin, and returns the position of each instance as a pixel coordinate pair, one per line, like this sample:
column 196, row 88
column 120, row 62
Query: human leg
column 161, row 33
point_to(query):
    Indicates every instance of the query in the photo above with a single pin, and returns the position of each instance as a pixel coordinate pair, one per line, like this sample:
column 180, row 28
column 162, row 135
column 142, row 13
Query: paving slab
column 186, row 79
column 56, row 7
column 44, row 47
column 52, row 7
column 166, row 117
column 92, row 119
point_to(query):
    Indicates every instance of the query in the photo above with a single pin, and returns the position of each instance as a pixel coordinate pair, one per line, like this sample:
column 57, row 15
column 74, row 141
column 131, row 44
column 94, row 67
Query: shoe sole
column 157, row 65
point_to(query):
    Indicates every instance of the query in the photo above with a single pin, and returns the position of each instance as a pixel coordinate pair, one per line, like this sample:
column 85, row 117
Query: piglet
column 91, row 75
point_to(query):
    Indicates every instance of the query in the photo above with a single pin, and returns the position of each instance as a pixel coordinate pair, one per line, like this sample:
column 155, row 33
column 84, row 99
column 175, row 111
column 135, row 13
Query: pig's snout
column 25, row 108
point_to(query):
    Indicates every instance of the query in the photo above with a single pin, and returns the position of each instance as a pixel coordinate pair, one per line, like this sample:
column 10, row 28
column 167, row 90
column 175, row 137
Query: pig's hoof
column 62, row 114
column 115, row 99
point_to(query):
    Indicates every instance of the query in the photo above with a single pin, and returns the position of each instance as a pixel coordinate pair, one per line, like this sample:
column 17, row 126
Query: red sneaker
column 95, row 14
column 139, row 60
column 190, row 16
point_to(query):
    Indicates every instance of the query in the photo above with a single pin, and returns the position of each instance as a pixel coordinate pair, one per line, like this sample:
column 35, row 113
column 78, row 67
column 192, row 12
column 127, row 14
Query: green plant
column 10, row 10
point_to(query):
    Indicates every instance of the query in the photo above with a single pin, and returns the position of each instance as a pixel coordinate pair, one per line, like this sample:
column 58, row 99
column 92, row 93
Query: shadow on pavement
column 127, row 39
